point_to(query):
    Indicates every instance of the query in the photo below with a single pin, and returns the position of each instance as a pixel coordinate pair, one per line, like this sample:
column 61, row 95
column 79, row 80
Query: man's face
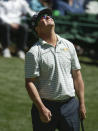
column 45, row 22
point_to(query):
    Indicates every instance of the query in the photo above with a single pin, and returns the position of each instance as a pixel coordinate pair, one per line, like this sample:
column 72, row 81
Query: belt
column 58, row 101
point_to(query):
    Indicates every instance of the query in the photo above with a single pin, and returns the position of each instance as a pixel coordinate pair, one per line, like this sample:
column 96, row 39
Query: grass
column 14, row 101
column 15, row 104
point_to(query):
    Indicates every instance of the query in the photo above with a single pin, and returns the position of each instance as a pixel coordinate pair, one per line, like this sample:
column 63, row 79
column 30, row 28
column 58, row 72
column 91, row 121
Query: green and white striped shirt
column 52, row 66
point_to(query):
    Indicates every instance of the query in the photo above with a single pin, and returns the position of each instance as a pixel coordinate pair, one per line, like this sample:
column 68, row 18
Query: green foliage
column 15, row 104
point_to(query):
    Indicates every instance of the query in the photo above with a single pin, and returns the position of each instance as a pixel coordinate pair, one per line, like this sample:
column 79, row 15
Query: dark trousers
column 8, row 34
column 65, row 116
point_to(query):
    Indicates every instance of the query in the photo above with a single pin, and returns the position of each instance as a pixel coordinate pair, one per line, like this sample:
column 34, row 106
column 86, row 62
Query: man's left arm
column 79, row 88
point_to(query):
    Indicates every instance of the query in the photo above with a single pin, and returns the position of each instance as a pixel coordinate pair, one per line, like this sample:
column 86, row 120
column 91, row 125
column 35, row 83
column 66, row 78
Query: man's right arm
column 45, row 114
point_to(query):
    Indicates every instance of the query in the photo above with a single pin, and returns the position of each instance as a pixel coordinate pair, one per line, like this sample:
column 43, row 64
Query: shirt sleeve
column 75, row 61
column 31, row 66
column 26, row 9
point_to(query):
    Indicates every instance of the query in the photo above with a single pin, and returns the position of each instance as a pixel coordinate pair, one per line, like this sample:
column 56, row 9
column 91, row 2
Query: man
column 68, row 6
column 52, row 72
column 12, row 12
column 36, row 5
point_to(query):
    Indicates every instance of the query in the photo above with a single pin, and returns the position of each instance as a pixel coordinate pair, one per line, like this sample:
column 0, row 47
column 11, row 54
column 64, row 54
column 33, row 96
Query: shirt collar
column 44, row 42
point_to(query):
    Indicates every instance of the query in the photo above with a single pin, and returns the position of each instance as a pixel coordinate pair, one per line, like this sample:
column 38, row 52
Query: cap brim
column 45, row 11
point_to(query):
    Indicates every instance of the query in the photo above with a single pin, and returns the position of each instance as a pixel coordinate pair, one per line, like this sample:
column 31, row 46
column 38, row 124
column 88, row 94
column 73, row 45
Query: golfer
column 53, row 77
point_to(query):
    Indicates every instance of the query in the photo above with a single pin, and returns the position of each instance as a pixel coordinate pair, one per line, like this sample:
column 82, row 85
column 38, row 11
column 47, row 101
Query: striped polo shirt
column 52, row 67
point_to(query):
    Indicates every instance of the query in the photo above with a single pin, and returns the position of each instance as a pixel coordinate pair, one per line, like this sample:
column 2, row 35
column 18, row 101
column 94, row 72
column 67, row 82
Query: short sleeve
column 75, row 61
column 31, row 66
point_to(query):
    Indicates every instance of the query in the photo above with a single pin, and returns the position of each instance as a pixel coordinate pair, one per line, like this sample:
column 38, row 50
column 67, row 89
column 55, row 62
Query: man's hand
column 82, row 111
column 45, row 115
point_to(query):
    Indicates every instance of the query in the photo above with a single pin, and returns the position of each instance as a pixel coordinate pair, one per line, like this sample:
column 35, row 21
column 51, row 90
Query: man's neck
column 49, row 37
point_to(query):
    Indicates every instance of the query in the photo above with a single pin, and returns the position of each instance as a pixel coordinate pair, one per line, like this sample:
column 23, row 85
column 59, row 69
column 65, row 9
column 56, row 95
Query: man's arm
column 45, row 114
column 79, row 88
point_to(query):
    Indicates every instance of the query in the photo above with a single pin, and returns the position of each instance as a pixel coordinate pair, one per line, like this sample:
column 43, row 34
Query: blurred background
column 77, row 21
